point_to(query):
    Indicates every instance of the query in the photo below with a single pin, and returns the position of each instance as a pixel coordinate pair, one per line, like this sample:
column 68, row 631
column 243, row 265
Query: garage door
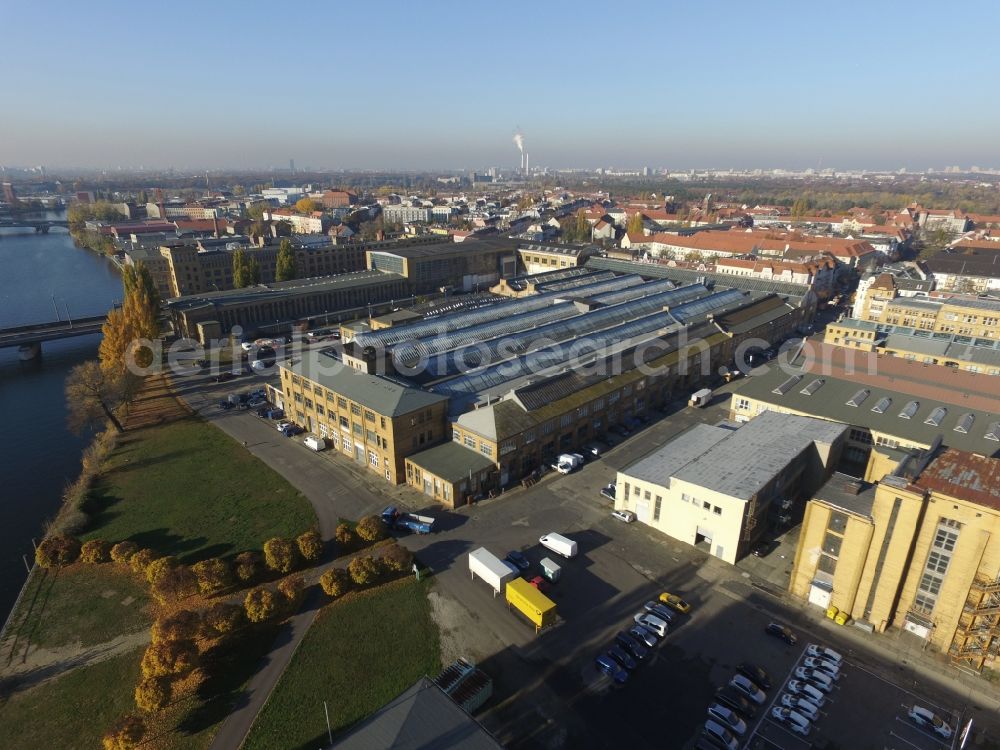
column 916, row 628
column 642, row 511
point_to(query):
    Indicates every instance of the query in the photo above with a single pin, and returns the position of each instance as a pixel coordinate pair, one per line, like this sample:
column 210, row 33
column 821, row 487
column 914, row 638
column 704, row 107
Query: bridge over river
column 29, row 338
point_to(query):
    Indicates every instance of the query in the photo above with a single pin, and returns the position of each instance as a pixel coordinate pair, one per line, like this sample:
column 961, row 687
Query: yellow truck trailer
column 531, row 602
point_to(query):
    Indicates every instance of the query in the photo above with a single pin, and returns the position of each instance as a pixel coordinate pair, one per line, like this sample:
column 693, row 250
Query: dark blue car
column 618, row 654
column 610, row 667
column 518, row 559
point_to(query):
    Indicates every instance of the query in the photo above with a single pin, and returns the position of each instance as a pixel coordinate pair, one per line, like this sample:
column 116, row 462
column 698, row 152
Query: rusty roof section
column 964, row 476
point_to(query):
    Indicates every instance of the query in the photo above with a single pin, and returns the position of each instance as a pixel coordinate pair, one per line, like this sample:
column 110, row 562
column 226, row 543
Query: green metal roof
column 451, row 461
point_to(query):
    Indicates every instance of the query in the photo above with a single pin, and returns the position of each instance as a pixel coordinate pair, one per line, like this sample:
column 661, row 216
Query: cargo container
column 531, row 602
column 559, row 544
column 490, row 568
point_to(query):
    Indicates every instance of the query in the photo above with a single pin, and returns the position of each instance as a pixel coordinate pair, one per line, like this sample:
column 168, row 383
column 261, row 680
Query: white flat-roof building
column 721, row 486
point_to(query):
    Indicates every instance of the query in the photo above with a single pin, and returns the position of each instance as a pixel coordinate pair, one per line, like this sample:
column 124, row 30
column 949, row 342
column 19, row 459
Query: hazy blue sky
column 430, row 84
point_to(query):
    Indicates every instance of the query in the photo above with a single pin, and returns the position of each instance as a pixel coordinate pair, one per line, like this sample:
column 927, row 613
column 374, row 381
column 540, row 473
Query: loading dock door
column 819, row 596
column 642, row 510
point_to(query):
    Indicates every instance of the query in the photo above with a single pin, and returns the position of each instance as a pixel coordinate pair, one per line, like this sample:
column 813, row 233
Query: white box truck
column 700, row 398
column 490, row 568
column 559, row 544
column 314, row 443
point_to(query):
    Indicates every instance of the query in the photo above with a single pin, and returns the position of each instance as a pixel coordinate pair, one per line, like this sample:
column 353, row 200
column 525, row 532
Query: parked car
column 728, row 696
column 675, row 602
column 755, row 673
column 263, row 411
column 619, row 655
column 747, row 686
column 763, row 549
column 718, row 732
column 625, row 516
column 652, row 622
column 822, row 665
column 782, row 632
column 610, row 667
column 728, row 718
column 800, row 704
column 609, row 491
column 803, row 689
column 539, row 583
column 594, row 450
column 224, row 376
column 792, row 719
column 281, row 426
column 292, row 429
column 821, row 652
column 518, row 559
column 646, row 637
column 659, row 610
column 927, row 719
column 225, row 405
column 631, row 644
column 817, row 679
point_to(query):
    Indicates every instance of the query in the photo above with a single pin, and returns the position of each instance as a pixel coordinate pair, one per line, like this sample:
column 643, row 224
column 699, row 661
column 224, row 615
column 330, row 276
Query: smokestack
column 527, row 163
column 522, row 161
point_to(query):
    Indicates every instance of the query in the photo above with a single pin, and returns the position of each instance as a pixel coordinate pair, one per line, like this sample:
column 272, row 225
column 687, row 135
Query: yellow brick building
column 918, row 550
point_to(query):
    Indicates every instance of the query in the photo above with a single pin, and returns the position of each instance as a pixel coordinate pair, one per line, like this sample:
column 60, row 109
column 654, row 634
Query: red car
column 539, row 583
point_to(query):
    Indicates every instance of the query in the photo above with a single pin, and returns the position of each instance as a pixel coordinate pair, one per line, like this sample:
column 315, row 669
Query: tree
column 293, row 589
column 256, row 211
column 240, row 277
column 57, row 551
column 93, row 396
column 126, row 734
column 364, row 570
column 152, row 693
column 247, row 566
column 306, row 205
column 213, row 575
column 223, row 618
column 635, row 223
column 370, row 529
column 284, row 267
column 253, row 272
column 122, row 552
column 95, row 551
column 182, row 625
column 279, row 554
column 397, row 558
column 168, row 658
column 177, row 583
column 141, row 560
column 335, row 582
column 310, row 546
column 158, row 568
column 259, row 605
column 344, row 537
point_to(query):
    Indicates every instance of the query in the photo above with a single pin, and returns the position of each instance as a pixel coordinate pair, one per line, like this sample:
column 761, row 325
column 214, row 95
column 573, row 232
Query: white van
column 652, row 622
column 314, row 443
column 821, row 680
column 559, row 544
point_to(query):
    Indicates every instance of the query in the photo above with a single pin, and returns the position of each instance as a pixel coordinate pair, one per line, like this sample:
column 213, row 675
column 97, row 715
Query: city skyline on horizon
column 415, row 91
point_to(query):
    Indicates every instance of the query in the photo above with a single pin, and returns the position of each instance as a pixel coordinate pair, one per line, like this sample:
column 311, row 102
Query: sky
column 445, row 85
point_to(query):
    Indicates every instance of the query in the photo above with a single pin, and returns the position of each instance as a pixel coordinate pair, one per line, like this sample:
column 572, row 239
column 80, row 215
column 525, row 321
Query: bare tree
column 93, row 395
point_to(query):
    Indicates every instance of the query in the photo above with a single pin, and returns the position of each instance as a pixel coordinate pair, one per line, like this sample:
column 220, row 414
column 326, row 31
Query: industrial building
column 721, row 487
column 470, row 265
column 916, row 550
column 528, row 378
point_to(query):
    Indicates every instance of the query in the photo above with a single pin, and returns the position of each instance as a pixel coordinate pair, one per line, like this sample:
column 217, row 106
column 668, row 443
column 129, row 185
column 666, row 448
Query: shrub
column 169, row 658
column 175, row 584
column 335, row 582
column 213, row 575
column 141, row 560
column 122, row 552
column 293, row 589
column 126, row 734
column 95, row 551
column 310, row 546
column 57, row 551
column 260, row 605
column 371, row 529
column 397, row 558
column 364, row 570
column 345, row 538
column 223, row 618
column 152, row 693
column 159, row 567
column 279, row 555
column 247, row 566
column 182, row 625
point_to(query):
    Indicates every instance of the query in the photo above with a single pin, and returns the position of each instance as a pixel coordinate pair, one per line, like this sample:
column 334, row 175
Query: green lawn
column 187, row 489
column 359, row 654
column 86, row 604
column 72, row 711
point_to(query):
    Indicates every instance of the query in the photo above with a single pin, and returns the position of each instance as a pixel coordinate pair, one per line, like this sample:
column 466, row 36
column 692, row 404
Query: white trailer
column 700, row 398
column 559, row 544
column 490, row 568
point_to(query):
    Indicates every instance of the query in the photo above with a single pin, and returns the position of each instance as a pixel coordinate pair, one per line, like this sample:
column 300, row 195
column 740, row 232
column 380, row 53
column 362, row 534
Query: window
column 373, row 458
column 507, row 446
column 356, row 429
column 685, row 497
column 470, row 441
column 486, row 449
column 348, row 445
column 565, row 420
column 382, row 422
column 831, row 544
column 320, row 410
column 646, row 495
column 297, row 397
column 717, row 510
column 309, row 403
column 369, row 416
column 827, row 564
column 742, row 404
column 345, row 423
column 341, row 402
column 317, row 390
column 626, row 489
column 706, row 505
column 355, row 410
column 296, row 380
column 837, row 522
column 529, row 437
column 656, row 508
column 635, row 491
column 945, row 540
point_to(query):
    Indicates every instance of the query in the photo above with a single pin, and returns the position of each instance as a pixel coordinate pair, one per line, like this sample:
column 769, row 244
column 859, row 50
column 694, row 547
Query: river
column 42, row 274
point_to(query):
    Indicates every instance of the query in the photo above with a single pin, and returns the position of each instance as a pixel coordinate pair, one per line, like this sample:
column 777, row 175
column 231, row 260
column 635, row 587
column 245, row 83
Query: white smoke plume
column 519, row 142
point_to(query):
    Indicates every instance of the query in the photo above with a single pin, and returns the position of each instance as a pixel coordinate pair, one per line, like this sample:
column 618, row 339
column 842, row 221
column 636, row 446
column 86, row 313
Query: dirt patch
column 461, row 633
column 155, row 404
